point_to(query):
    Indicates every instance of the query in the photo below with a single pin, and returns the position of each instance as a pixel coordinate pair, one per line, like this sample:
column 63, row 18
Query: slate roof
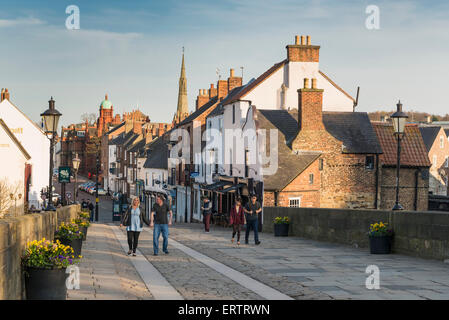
column 429, row 134
column 118, row 140
column 290, row 165
column 447, row 132
column 413, row 149
column 157, row 154
column 198, row 112
column 354, row 129
column 284, row 121
column 116, row 127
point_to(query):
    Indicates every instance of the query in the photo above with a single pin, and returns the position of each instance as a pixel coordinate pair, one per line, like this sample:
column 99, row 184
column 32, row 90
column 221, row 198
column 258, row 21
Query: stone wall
column 422, row 234
column 14, row 235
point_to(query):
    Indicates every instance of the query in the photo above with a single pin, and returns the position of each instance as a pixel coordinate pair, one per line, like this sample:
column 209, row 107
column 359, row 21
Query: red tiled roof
column 413, row 149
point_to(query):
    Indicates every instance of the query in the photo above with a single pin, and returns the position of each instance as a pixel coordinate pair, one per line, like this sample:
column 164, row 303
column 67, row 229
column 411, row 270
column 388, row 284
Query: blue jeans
column 252, row 224
column 158, row 228
column 92, row 215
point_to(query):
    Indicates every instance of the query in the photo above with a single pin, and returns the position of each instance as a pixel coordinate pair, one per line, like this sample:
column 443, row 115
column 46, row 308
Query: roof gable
column 429, row 134
column 14, row 139
column 290, row 165
column 354, row 129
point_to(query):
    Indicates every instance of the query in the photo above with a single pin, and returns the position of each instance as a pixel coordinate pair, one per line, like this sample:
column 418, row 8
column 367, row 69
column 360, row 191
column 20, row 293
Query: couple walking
column 134, row 218
column 238, row 217
column 249, row 215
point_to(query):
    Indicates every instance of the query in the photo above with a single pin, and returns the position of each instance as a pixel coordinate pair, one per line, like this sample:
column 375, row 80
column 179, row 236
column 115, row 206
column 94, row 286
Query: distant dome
column 106, row 104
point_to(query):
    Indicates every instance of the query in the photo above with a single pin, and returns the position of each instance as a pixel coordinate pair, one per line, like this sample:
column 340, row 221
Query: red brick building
column 414, row 170
column 437, row 146
column 341, row 160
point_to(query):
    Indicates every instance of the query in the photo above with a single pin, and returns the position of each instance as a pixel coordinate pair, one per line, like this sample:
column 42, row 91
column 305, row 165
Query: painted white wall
column 35, row 142
column 12, row 170
column 151, row 174
column 267, row 95
column 112, row 158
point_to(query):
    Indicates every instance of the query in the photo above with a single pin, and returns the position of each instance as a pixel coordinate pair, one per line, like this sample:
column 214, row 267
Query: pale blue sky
column 132, row 50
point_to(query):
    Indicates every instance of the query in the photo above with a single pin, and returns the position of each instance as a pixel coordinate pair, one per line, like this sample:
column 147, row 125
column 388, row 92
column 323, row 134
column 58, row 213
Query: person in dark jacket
column 207, row 212
column 90, row 205
column 133, row 219
column 237, row 219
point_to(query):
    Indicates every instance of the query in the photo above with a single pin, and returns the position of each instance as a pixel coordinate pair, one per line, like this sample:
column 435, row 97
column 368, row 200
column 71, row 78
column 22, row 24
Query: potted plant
column 70, row 235
column 44, row 264
column 85, row 215
column 281, row 225
column 83, row 225
column 380, row 236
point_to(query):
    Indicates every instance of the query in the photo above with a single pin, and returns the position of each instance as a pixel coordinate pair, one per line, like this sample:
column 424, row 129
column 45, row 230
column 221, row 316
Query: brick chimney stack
column 222, row 88
column 212, row 91
column 202, row 99
column 303, row 51
column 137, row 127
column 233, row 81
column 310, row 107
column 4, row 95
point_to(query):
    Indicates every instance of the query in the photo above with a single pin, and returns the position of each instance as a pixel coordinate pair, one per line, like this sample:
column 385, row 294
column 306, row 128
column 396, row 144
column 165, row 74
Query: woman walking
column 237, row 219
column 133, row 219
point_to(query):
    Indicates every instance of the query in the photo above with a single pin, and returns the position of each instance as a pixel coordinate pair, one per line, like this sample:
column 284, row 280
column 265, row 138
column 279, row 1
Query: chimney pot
column 306, row 83
column 232, row 73
column 308, row 40
column 302, row 40
column 313, row 83
column 296, row 39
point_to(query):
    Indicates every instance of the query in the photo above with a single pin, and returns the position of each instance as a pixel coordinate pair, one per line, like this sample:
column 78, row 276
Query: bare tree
column 90, row 117
column 6, row 190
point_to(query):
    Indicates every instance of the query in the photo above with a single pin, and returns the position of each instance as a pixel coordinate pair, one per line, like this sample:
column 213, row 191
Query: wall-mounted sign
column 64, row 175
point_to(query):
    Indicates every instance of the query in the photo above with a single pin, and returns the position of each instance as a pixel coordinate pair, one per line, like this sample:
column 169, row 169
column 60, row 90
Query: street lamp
column 75, row 164
column 399, row 118
column 51, row 117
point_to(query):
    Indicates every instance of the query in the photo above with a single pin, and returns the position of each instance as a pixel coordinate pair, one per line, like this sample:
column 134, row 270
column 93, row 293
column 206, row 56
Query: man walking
column 160, row 221
column 207, row 211
column 252, row 211
column 90, row 205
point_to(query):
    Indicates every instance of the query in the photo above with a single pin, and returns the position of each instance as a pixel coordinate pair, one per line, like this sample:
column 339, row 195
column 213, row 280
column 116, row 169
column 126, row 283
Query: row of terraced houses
column 328, row 154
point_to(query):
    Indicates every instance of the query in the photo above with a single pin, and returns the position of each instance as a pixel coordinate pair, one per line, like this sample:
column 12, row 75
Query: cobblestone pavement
column 296, row 267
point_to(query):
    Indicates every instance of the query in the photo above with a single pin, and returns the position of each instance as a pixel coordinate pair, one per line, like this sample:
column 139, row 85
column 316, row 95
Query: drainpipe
column 415, row 204
column 276, row 194
column 376, row 202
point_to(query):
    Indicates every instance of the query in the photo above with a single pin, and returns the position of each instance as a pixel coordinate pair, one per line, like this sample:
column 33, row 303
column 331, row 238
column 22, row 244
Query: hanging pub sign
column 64, row 174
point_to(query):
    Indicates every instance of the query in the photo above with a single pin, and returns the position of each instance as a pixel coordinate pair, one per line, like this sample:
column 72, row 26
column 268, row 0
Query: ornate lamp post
column 399, row 118
column 51, row 117
column 75, row 164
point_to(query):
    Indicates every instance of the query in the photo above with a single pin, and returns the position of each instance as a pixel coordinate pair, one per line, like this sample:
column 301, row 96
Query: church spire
column 182, row 109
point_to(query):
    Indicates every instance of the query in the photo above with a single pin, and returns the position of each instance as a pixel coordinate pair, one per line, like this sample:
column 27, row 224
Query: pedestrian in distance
column 133, row 219
column 207, row 212
column 237, row 219
column 84, row 204
column 160, row 222
column 90, row 205
column 252, row 210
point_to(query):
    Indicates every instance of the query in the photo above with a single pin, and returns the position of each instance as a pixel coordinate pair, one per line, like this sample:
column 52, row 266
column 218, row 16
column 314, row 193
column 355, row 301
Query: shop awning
column 233, row 188
column 216, row 185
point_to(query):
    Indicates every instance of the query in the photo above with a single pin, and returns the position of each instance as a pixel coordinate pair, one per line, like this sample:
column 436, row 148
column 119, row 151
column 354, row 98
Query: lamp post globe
column 399, row 119
column 51, row 118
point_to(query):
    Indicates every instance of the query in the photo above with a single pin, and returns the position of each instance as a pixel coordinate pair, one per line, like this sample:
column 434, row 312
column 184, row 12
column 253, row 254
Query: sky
column 132, row 51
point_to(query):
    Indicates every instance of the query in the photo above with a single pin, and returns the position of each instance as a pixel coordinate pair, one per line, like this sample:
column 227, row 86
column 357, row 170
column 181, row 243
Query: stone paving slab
column 105, row 272
column 334, row 270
